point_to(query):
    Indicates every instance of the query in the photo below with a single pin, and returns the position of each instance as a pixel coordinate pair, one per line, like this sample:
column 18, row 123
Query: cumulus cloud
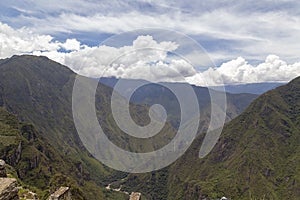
column 71, row 44
column 144, row 58
column 22, row 41
column 239, row 71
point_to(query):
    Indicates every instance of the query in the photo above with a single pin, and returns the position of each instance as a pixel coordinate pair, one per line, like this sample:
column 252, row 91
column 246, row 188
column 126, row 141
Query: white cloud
column 237, row 71
column 145, row 58
column 25, row 41
column 71, row 44
column 22, row 41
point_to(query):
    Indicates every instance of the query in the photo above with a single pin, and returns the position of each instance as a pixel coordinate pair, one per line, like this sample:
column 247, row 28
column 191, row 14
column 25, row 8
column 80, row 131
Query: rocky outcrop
column 8, row 189
column 8, row 186
column 2, row 169
column 135, row 196
column 132, row 196
column 63, row 193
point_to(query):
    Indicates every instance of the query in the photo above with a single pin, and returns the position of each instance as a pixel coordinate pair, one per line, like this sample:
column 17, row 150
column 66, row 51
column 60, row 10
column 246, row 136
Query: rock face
column 8, row 186
column 2, row 169
column 135, row 196
column 63, row 193
column 8, row 189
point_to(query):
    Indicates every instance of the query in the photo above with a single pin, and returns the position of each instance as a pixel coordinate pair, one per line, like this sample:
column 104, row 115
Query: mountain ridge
column 257, row 155
column 38, row 91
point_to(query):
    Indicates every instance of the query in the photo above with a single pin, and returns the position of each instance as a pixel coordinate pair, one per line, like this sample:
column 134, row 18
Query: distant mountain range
column 154, row 93
column 252, row 88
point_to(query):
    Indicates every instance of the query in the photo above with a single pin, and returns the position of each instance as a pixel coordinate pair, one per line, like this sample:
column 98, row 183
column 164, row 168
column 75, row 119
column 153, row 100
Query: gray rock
column 2, row 169
column 8, row 189
column 135, row 196
column 63, row 193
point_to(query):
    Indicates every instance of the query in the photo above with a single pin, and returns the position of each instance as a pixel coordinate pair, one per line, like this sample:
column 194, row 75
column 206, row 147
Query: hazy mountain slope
column 252, row 88
column 257, row 156
column 152, row 93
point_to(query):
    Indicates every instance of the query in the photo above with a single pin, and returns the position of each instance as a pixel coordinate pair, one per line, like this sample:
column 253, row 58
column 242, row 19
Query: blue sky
column 252, row 30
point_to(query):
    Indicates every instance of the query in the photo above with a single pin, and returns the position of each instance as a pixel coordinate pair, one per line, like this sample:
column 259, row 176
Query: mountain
column 251, row 88
column 154, row 93
column 39, row 92
column 256, row 157
column 38, row 166
column 33, row 160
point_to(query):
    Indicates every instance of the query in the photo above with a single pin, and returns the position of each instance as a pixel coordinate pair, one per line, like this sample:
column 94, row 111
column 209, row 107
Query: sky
column 247, row 41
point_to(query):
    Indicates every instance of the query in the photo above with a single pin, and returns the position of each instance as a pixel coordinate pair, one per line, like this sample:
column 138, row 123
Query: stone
column 63, row 193
column 2, row 169
column 8, row 189
column 135, row 196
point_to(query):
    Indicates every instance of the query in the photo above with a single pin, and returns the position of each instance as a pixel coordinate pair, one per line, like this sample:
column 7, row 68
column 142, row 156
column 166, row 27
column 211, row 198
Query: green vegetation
column 32, row 159
column 257, row 156
column 45, row 144
column 41, row 144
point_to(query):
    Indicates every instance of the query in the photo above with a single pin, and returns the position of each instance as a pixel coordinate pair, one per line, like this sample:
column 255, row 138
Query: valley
column 40, row 143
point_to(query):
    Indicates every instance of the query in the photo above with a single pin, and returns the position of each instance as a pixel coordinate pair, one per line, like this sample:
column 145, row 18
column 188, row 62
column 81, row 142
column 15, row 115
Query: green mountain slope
column 39, row 91
column 35, row 162
column 257, row 156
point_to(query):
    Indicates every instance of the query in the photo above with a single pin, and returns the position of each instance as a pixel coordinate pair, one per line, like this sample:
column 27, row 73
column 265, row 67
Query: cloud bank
column 239, row 71
column 145, row 58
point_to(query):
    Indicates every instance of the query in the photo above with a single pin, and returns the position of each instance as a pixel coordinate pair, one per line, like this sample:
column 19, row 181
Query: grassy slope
column 39, row 166
column 35, row 162
column 257, row 156
column 39, row 90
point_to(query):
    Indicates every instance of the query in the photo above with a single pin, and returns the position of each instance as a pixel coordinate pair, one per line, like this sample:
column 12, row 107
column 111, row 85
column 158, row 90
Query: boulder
column 63, row 193
column 2, row 169
column 8, row 189
column 135, row 196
